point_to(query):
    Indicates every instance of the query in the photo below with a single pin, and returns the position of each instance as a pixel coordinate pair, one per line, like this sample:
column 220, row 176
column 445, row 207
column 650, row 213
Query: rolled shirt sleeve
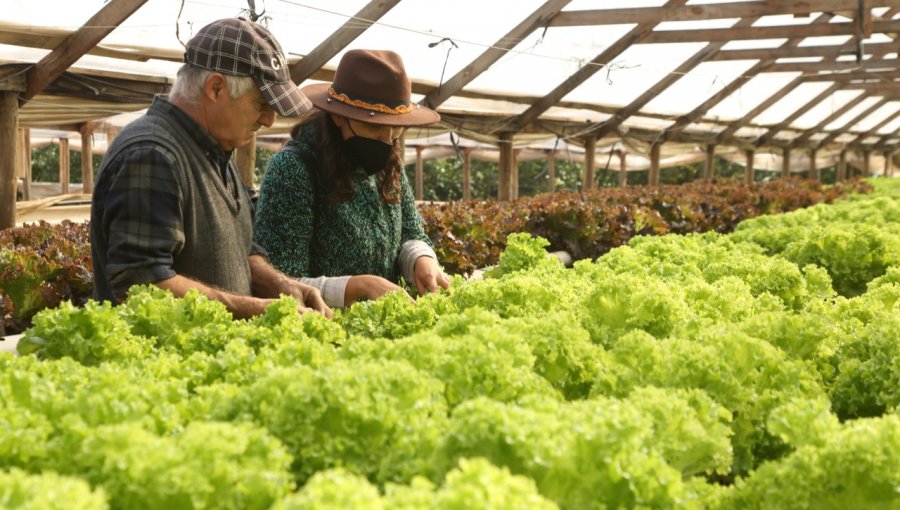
column 331, row 287
column 410, row 251
column 143, row 219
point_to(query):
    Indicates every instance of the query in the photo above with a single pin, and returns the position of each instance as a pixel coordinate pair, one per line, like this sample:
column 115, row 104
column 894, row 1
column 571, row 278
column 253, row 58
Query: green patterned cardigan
column 309, row 237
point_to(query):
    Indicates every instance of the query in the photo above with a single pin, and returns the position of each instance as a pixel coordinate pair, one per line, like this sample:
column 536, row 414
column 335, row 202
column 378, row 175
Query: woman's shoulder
column 298, row 151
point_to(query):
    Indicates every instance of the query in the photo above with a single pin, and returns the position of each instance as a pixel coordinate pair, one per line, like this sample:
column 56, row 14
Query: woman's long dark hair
column 336, row 165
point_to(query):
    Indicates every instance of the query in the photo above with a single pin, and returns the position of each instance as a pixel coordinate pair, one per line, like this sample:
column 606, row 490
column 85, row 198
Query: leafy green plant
column 48, row 491
column 40, row 266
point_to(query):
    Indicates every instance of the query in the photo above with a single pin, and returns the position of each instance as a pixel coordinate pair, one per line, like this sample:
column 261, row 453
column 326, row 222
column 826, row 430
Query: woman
column 335, row 208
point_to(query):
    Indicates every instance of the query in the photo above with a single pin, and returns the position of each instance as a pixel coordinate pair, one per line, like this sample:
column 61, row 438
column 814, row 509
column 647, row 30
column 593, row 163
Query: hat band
column 404, row 107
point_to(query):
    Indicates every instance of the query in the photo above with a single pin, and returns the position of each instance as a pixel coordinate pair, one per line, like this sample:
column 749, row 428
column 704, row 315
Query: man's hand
column 309, row 297
column 268, row 282
column 429, row 276
column 368, row 286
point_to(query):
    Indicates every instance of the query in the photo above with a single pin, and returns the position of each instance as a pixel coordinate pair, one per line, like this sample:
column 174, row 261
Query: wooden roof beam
column 115, row 90
column 814, row 67
column 874, row 130
column 727, row 135
column 77, row 44
column 862, row 77
column 770, row 32
column 761, row 66
column 834, row 51
column 876, row 89
column 48, row 38
column 340, row 38
column 500, row 48
column 846, row 107
column 852, row 122
column 809, row 105
column 882, row 144
column 633, row 36
column 706, row 12
column 698, row 58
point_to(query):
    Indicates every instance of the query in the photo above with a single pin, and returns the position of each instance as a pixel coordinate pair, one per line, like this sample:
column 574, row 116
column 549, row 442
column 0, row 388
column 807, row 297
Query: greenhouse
column 405, row 254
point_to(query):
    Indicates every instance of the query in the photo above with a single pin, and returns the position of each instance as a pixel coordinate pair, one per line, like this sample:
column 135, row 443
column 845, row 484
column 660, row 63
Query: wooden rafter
column 873, row 76
column 78, row 43
column 814, row 67
column 761, row 66
column 771, row 32
column 537, row 19
column 852, row 122
column 809, row 105
column 340, row 38
column 876, row 89
column 833, row 50
column 698, row 58
column 855, row 76
column 873, row 131
column 706, row 12
column 46, row 38
column 633, row 36
column 883, row 144
column 727, row 134
column 846, row 107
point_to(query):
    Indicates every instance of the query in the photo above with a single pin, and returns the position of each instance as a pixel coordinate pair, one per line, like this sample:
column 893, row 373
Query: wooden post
column 888, row 168
column 87, row 158
column 623, row 170
column 26, row 190
column 748, row 170
column 709, row 170
column 786, row 163
column 245, row 160
column 842, row 166
column 20, row 158
column 9, row 119
column 590, row 150
column 653, row 178
column 514, row 180
column 64, row 165
column 551, row 170
column 867, row 159
column 813, row 168
column 20, row 153
column 467, row 172
column 506, row 163
column 420, row 173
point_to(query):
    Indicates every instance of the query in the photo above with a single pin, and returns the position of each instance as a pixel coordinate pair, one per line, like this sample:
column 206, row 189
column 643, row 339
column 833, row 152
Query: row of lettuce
column 42, row 265
column 759, row 369
column 470, row 234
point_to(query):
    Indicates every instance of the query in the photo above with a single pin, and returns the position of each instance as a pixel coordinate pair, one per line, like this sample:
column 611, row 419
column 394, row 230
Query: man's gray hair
column 190, row 80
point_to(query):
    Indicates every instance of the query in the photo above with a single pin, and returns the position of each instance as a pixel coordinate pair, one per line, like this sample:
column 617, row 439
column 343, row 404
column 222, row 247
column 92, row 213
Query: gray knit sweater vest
column 218, row 226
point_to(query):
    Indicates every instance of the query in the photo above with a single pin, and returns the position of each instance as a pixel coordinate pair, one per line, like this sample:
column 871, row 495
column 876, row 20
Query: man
column 168, row 206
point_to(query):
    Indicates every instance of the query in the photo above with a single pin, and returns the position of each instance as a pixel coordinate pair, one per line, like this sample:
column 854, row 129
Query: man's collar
column 191, row 126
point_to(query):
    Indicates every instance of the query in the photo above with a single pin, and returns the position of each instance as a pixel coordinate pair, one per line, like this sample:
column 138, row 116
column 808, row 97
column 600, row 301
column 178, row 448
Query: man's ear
column 215, row 87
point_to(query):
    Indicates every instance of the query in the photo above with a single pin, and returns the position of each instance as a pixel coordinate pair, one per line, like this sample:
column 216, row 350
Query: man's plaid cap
column 238, row 47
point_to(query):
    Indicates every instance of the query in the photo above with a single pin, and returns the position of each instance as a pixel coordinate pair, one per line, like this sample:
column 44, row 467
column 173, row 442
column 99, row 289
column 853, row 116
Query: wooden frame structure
column 872, row 69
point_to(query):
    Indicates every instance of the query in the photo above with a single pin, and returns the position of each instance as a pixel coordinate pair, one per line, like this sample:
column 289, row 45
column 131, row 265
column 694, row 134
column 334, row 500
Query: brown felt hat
column 371, row 86
column 238, row 47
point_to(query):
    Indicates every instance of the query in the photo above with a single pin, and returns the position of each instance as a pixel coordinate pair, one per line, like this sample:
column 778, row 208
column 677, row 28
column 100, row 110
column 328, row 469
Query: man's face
column 233, row 122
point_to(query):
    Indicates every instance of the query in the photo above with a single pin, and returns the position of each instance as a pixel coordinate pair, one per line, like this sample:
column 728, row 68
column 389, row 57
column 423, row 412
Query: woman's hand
column 429, row 276
column 368, row 286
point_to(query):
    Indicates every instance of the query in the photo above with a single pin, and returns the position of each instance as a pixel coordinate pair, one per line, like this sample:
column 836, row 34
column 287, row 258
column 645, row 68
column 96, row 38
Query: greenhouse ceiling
column 684, row 75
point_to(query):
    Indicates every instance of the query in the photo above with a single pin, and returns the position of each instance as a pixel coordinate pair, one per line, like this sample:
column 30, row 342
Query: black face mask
column 371, row 154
